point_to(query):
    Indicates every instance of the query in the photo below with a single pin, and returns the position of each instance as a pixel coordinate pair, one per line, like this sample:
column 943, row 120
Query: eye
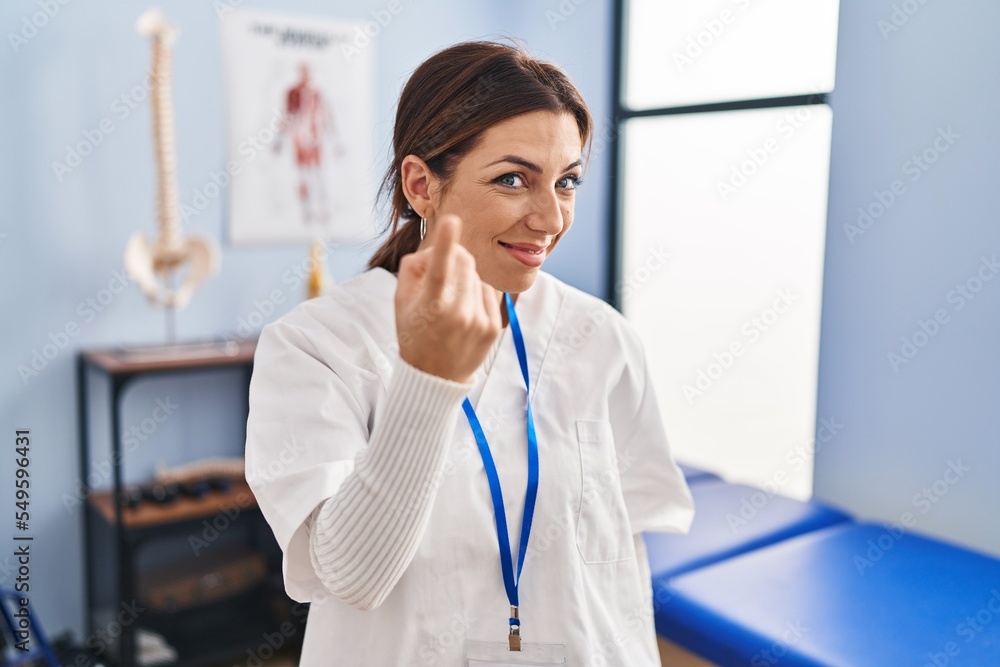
column 509, row 180
column 570, row 182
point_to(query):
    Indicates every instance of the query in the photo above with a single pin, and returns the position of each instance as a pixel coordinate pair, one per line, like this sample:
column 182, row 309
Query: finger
column 491, row 304
column 445, row 230
column 470, row 281
column 411, row 273
column 441, row 263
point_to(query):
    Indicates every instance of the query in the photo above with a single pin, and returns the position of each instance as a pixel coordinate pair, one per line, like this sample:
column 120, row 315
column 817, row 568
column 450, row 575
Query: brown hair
column 448, row 102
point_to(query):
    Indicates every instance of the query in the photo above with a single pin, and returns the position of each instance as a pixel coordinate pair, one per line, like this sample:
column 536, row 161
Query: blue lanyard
column 510, row 583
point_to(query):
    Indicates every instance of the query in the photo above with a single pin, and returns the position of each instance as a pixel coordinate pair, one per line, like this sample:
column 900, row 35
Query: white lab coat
column 606, row 475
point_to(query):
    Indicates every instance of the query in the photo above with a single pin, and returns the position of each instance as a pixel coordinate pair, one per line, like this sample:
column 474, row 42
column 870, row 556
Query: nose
column 547, row 213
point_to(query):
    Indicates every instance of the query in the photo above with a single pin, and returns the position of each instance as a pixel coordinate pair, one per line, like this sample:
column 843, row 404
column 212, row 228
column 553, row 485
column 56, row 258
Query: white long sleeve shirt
column 370, row 477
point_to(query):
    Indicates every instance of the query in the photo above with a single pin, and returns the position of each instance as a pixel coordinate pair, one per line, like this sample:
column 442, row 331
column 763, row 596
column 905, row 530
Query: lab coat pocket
column 603, row 533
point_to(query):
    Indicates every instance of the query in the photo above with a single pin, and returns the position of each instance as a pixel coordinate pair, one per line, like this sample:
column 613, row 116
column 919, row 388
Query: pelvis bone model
column 152, row 264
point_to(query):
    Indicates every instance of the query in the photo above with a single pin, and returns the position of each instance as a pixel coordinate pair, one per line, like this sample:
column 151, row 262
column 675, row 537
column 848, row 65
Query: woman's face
column 516, row 187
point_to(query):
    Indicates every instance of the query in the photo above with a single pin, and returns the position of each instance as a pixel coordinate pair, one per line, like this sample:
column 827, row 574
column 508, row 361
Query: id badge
column 498, row 654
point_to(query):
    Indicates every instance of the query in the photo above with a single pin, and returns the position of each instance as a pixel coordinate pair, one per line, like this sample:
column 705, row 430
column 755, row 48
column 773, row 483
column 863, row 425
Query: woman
column 406, row 426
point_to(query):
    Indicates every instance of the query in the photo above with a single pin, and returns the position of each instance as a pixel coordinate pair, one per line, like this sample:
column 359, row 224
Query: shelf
column 202, row 634
column 181, row 509
column 239, row 625
column 221, row 572
column 123, row 360
column 225, row 630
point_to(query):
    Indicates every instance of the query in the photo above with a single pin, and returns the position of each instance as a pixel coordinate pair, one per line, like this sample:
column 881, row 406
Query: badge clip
column 515, row 630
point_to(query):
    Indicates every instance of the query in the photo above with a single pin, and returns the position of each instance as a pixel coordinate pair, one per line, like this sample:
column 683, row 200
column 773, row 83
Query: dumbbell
column 162, row 493
column 131, row 496
column 195, row 489
column 220, row 483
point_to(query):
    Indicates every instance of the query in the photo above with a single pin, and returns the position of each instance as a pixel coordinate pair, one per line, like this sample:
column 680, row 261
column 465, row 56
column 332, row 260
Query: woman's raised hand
column 447, row 318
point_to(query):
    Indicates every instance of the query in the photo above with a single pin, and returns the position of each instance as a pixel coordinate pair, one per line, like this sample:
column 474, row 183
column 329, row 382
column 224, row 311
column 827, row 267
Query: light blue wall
column 895, row 89
column 62, row 242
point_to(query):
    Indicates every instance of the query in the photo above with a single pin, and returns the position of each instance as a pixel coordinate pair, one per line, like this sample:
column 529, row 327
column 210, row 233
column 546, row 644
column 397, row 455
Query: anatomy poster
column 299, row 95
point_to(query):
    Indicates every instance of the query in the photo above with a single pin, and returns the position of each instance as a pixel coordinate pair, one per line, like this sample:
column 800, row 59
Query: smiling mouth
column 533, row 252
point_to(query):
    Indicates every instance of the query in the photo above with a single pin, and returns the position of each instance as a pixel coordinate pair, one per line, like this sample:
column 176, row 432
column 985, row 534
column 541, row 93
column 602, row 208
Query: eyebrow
column 527, row 164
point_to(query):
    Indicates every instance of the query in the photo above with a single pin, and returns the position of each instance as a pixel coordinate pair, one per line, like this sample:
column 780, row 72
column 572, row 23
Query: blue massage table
column 731, row 519
column 852, row 594
column 693, row 475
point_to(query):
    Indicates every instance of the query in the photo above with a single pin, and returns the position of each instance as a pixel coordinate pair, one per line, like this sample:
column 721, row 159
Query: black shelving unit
column 115, row 536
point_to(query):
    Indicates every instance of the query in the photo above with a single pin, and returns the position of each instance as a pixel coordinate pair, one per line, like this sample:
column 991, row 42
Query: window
column 720, row 222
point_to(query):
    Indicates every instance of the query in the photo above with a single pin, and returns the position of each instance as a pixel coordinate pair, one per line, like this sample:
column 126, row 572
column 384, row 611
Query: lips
column 527, row 247
column 532, row 258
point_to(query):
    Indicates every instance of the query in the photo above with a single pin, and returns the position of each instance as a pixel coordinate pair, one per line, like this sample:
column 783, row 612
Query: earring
column 423, row 229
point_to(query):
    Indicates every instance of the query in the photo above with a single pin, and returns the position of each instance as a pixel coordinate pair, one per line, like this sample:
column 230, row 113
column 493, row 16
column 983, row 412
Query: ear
column 419, row 185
